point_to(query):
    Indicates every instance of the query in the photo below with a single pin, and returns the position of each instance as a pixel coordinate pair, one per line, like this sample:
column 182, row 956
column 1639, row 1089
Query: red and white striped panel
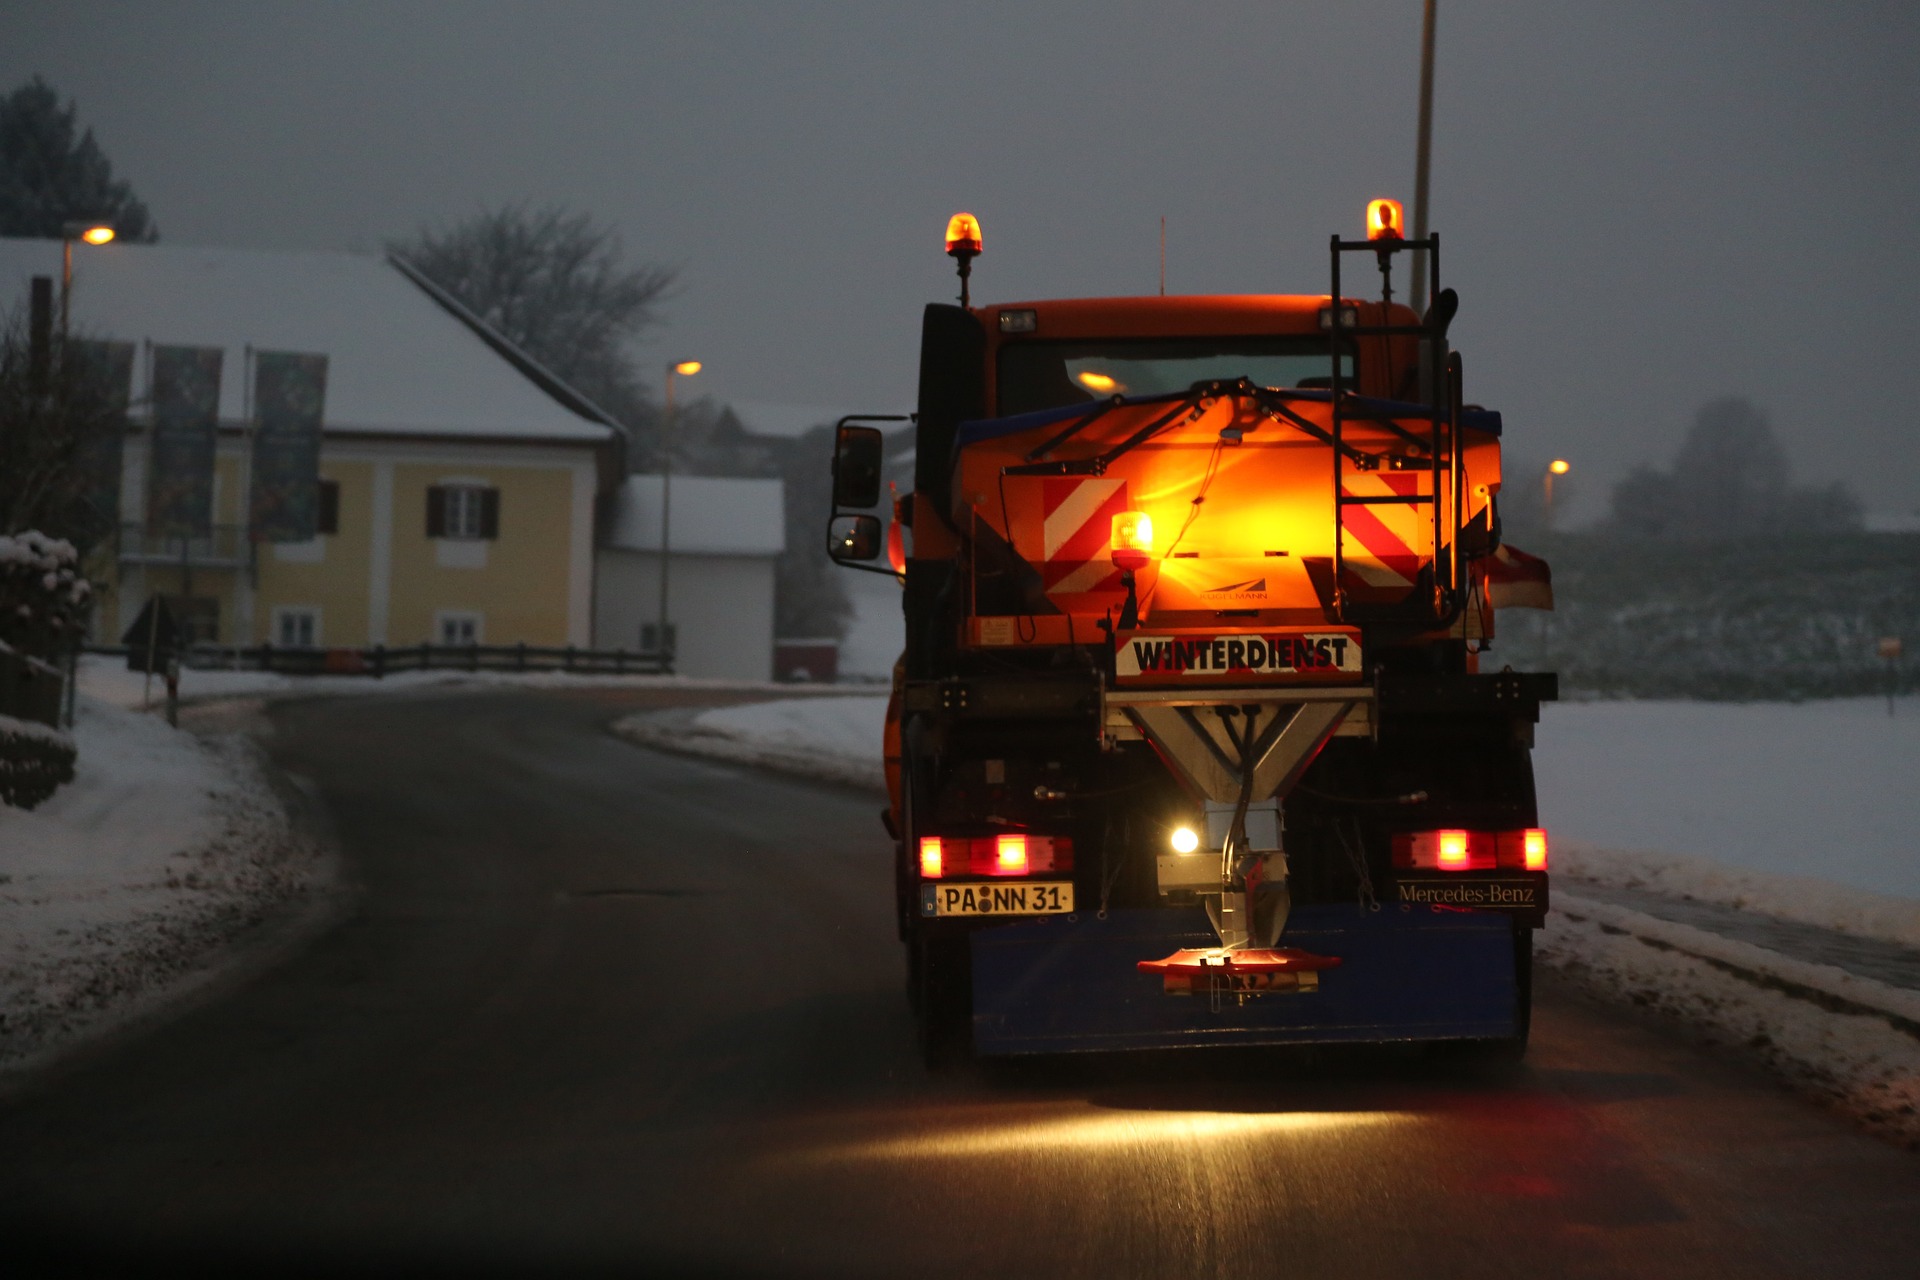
column 1076, row 534
column 1381, row 540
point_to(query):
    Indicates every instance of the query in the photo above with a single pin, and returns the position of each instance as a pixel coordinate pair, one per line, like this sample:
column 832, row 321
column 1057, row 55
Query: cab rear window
column 1051, row 375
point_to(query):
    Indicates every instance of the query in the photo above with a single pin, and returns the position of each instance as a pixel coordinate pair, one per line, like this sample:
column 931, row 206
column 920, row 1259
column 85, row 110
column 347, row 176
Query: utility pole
column 676, row 369
column 1423, row 165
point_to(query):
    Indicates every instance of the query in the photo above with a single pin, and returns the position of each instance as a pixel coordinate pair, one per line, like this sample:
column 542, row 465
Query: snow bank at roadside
column 1848, row 1039
column 833, row 738
column 162, row 848
column 1801, row 899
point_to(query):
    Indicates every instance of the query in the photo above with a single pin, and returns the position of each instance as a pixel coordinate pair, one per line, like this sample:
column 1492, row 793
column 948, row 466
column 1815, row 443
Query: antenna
column 1163, row 255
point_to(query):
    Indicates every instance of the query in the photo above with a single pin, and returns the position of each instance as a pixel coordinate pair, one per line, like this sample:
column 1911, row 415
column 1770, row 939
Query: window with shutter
column 328, row 520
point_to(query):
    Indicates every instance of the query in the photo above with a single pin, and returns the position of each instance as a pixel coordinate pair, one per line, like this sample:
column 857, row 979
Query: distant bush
column 34, row 762
column 1747, row 619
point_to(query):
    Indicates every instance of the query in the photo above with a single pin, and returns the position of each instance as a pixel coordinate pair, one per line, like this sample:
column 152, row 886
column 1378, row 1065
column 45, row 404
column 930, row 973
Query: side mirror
column 854, row 537
column 857, row 453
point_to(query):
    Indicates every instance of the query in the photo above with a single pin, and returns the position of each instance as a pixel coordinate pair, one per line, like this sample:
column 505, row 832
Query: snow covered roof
column 398, row 362
column 711, row 516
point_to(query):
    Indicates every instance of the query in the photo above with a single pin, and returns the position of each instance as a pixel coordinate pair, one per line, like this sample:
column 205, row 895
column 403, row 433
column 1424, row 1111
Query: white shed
column 725, row 536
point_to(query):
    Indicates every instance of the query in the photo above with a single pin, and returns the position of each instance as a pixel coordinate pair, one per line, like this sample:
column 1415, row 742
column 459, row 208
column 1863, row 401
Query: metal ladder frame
column 1442, row 409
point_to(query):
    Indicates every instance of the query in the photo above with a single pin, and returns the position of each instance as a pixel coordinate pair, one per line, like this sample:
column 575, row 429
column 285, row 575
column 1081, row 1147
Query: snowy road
column 600, row 1006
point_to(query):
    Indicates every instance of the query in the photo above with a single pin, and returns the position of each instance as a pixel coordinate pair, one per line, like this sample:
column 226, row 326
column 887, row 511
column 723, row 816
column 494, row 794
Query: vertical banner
column 289, row 402
column 186, row 418
column 106, row 381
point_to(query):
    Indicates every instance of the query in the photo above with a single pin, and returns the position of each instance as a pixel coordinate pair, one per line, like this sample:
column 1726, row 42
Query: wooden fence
column 384, row 660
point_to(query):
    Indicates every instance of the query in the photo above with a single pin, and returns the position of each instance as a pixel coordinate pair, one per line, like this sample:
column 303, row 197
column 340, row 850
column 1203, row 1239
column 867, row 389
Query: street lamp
column 1558, row 467
column 93, row 233
column 675, row 369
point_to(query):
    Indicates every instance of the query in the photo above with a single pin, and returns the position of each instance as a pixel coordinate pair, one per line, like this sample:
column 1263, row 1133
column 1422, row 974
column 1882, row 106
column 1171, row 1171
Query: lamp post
column 92, row 233
column 675, row 369
column 1558, row 467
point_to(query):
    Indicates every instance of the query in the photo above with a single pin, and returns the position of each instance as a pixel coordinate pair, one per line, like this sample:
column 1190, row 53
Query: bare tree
column 559, row 286
column 54, row 421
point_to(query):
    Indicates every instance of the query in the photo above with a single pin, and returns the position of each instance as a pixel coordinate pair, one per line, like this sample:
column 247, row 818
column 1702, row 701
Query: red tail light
column 1011, row 853
column 1456, row 850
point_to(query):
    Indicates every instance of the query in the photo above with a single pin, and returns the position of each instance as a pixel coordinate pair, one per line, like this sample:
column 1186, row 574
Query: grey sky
column 1643, row 205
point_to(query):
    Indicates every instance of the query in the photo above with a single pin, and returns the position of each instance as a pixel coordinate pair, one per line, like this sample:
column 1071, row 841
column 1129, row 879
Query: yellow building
column 458, row 479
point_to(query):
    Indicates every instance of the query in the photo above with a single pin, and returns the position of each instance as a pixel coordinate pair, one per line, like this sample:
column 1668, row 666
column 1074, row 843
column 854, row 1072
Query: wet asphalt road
column 601, row 1010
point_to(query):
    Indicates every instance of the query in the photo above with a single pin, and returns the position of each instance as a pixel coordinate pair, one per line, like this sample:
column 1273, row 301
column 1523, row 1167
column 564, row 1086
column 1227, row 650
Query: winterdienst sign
column 186, row 417
column 289, row 398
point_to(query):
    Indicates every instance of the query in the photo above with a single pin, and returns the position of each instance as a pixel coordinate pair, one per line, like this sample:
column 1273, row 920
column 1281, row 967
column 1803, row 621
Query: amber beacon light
column 963, row 236
column 1384, row 220
column 963, row 246
column 1132, row 544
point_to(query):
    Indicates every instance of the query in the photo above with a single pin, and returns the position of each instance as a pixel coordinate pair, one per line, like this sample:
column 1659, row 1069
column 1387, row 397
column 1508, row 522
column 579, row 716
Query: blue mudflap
column 1062, row 985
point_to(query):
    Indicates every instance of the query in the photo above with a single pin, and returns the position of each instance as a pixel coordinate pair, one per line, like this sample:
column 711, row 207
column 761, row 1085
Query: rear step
column 1252, row 971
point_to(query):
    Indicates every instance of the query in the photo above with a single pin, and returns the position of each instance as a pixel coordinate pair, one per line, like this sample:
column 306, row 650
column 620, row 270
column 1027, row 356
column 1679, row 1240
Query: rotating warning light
column 1132, row 543
column 1384, row 220
column 932, row 864
column 963, row 235
column 1010, row 854
column 1534, row 849
column 1185, row 840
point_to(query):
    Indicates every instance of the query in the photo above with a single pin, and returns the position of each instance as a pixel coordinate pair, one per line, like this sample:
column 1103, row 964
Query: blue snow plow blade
column 1060, row 985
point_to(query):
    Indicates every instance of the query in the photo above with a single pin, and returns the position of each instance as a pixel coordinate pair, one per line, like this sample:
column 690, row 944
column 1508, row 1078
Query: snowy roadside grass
column 130, row 880
column 835, row 738
column 1800, row 899
column 1849, row 1041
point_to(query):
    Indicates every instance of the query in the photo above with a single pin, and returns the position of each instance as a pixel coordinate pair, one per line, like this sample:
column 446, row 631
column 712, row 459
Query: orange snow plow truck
column 1196, row 738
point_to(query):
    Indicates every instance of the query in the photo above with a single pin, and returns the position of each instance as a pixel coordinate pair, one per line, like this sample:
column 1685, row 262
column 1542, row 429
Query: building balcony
column 224, row 546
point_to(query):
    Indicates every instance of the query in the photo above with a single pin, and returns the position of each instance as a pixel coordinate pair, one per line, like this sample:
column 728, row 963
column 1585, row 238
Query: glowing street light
column 1558, row 467
column 94, row 233
column 675, row 369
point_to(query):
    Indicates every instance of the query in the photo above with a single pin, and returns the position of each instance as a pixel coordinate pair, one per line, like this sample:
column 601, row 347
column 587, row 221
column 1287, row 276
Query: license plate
column 1023, row 899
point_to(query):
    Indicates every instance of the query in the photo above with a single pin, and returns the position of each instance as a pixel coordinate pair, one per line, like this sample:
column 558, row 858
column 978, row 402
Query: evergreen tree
column 49, row 177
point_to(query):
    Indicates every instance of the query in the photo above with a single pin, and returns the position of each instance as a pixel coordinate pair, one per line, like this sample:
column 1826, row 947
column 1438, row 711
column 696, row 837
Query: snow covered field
column 164, row 846
column 1826, row 791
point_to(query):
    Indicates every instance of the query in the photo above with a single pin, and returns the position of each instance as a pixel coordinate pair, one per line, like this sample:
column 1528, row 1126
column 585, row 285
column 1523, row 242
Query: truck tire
column 940, row 980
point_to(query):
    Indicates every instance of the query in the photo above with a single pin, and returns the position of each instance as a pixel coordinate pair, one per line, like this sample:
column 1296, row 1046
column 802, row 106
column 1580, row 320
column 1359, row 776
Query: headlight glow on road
column 1105, row 1130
